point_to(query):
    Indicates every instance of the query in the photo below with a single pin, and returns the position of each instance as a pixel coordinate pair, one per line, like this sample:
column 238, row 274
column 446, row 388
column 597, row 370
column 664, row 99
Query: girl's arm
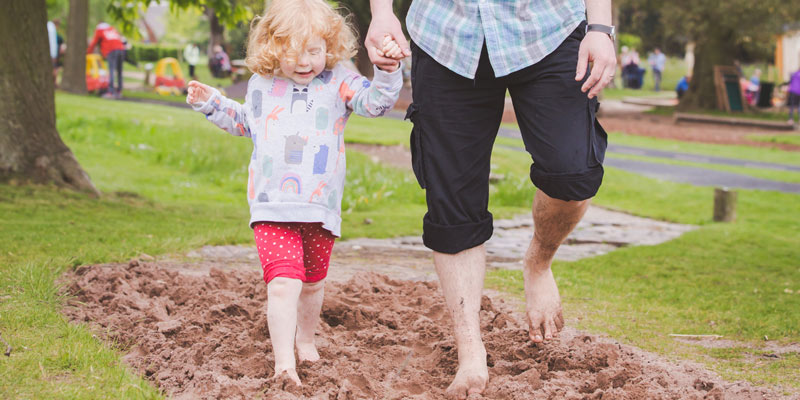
column 222, row 111
column 372, row 99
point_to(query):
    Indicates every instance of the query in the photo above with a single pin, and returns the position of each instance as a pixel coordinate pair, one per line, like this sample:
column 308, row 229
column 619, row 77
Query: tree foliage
column 228, row 12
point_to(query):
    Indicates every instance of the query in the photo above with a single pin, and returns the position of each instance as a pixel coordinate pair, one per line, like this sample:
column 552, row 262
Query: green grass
column 174, row 182
column 793, row 139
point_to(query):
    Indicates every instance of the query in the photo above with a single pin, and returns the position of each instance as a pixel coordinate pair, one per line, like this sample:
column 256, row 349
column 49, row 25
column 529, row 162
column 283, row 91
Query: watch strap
column 608, row 30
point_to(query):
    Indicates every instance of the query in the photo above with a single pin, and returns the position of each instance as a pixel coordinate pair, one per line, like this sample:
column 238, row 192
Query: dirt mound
column 206, row 337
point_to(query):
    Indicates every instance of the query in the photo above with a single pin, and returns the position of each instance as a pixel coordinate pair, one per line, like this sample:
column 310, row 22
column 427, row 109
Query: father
column 465, row 55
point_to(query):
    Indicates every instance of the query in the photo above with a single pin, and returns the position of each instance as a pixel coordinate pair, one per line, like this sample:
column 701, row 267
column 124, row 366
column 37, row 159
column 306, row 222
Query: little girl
column 296, row 107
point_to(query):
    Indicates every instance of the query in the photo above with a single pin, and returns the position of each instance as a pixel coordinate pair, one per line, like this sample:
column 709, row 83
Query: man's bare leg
column 461, row 277
column 282, row 296
column 553, row 220
column 308, row 309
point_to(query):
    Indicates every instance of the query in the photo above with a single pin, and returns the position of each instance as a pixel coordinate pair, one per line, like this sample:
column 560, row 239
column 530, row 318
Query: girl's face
column 310, row 62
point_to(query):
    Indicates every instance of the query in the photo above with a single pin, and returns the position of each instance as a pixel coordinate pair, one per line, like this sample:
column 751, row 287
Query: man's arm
column 598, row 48
column 383, row 23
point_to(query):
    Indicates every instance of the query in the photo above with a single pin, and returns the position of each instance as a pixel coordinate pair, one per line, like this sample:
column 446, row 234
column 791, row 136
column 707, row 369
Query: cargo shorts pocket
column 598, row 138
column 417, row 163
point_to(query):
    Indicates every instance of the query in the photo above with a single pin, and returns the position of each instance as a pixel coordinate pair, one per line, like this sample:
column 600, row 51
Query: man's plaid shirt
column 518, row 34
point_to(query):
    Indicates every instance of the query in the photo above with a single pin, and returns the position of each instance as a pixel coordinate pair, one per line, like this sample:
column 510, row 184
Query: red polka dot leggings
column 296, row 250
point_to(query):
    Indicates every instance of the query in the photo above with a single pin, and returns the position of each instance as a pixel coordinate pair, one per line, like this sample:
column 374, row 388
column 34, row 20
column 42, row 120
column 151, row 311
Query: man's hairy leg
column 461, row 278
column 553, row 220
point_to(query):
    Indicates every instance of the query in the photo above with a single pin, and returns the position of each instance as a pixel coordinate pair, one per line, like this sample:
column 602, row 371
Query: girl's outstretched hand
column 198, row 92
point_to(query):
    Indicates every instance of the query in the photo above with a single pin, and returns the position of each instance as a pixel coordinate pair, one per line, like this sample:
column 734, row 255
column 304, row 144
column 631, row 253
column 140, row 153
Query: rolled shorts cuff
column 568, row 186
column 451, row 239
column 283, row 270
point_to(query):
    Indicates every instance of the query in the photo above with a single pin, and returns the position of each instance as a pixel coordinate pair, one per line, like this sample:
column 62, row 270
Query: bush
column 632, row 41
column 141, row 52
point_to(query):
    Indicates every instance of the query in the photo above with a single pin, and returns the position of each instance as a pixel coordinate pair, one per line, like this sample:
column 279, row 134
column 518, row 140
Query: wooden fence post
column 724, row 205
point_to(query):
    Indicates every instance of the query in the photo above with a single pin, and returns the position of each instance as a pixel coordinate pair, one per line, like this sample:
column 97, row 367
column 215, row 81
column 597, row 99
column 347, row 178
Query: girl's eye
column 314, row 52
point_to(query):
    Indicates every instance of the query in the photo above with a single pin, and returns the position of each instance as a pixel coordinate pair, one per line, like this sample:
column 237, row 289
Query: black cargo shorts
column 456, row 120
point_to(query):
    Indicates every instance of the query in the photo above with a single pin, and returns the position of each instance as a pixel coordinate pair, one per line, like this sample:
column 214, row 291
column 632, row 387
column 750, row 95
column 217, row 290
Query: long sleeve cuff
column 392, row 81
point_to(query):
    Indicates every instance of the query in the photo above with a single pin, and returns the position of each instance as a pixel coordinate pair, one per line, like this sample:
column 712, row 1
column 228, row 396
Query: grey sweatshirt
column 297, row 169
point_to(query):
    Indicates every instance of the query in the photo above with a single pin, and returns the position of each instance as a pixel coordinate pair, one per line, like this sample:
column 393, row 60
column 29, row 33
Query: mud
column 198, row 334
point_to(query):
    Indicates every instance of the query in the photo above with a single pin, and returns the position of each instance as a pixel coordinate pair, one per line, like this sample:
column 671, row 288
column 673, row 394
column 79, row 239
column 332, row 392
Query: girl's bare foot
column 286, row 376
column 306, row 352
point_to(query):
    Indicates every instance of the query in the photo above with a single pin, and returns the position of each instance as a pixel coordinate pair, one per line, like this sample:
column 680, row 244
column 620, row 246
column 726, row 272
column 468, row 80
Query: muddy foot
column 543, row 306
column 307, row 352
column 287, row 379
column 468, row 381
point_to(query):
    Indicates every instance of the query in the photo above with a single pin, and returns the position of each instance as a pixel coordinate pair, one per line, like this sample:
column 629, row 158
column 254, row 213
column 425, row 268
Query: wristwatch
column 611, row 31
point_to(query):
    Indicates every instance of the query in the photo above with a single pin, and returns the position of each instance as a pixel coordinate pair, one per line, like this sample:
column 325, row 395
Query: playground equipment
column 166, row 85
column 96, row 74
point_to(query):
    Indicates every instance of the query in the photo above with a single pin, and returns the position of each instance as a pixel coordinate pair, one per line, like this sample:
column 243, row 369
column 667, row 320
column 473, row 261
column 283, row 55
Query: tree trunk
column 30, row 148
column 714, row 49
column 217, row 31
column 73, row 79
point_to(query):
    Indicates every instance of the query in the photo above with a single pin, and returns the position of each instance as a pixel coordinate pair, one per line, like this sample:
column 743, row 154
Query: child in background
column 793, row 101
column 295, row 110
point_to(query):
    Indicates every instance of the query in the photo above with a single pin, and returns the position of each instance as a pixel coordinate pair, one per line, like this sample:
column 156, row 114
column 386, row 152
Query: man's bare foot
column 286, row 376
column 471, row 377
column 543, row 305
column 306, row 352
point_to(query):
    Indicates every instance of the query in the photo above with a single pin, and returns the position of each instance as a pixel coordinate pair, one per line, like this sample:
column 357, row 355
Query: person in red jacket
column 113, row 50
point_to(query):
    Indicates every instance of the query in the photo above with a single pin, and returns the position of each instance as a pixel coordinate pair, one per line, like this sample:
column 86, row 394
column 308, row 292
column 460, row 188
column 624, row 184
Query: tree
column 73, row 79
column 724, row 31
column 30, row 148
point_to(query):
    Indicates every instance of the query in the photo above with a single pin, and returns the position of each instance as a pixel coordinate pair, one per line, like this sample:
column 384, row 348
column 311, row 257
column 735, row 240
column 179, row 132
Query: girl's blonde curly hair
column 288, row 25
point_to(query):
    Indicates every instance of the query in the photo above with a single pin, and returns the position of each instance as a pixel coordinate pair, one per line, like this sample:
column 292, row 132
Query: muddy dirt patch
column 205, row 336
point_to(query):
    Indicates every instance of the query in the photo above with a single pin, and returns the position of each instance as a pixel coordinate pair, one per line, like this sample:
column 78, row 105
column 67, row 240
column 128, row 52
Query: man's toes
column 549, row 327
column 535, row 333
column 559, row 321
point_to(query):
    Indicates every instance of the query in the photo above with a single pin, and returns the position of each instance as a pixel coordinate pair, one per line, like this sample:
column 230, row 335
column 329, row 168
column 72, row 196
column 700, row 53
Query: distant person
column 793, row 102
column 220, row 62
column 113, row 50
column 299, row 86
column 191, row 53
column 624, row 60
column 632, row 71
column 52, row 38
column 657, row 62
column 751, row 93
column 683, row 86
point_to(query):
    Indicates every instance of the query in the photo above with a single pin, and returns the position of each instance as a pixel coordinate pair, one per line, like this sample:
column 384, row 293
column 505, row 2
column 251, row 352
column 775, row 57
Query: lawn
column 174, row 182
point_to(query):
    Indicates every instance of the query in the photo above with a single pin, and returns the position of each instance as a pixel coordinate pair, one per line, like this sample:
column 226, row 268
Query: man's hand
column 384, row 23
column 198, row 92
column 598, row 48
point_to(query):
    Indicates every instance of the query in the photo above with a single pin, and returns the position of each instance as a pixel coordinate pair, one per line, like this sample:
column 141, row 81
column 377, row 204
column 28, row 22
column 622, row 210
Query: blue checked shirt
column 518, row 33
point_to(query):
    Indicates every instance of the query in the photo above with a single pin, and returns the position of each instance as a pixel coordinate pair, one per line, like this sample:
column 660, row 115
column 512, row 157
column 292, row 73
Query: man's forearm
column 378, row 7
column 597, row 11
